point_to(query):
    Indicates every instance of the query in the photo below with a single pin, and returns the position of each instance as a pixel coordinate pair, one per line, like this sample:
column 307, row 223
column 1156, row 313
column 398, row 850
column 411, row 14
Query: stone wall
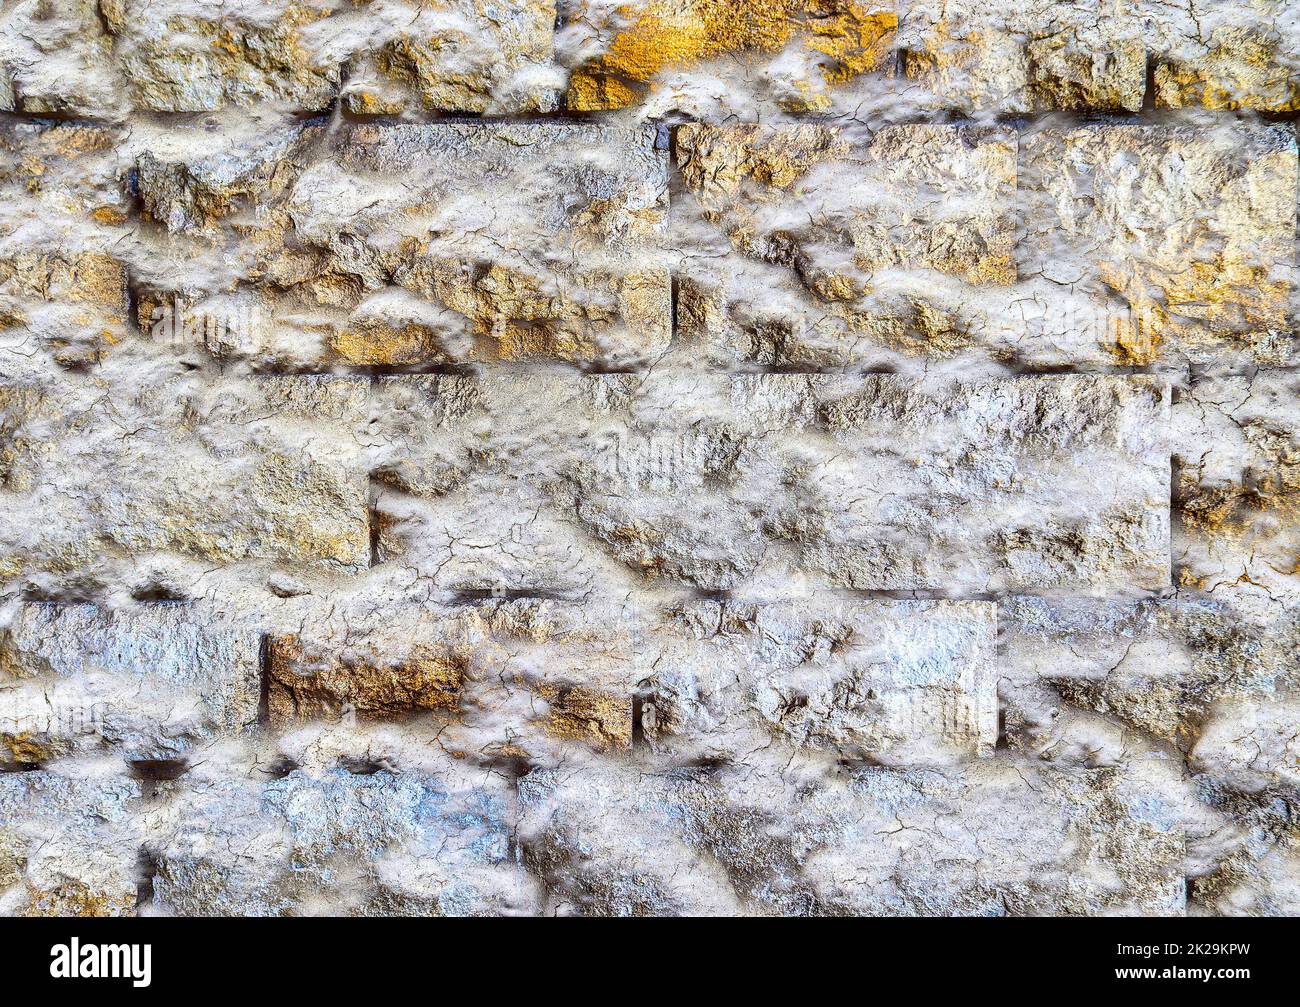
column 806, row 457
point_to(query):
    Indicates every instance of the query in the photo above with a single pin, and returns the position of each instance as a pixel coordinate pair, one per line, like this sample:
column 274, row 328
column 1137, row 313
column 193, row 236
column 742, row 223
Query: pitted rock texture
column 649, row 457
column 739, row 483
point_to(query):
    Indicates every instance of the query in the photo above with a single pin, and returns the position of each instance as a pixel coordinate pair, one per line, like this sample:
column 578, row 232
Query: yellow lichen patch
column 370, row 103
column 109, row 215
column 372, row 343
column 88, row 277
column 23, row 747
column 592, row 92
column 76, row 899
column 671, row 34
column 599, row 719
column 71, row 141
column 1136, row 341
column 856, row 38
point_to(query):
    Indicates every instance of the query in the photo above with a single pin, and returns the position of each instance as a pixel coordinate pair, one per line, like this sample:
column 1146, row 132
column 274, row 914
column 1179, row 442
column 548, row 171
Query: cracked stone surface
column 649, row 458
column 726, row 483
column 151, row 684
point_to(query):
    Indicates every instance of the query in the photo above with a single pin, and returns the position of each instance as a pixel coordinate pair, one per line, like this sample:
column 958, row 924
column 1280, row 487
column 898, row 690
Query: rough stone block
column 869, row 482
column 420, row 843
column 456, row 55
column 848, row 254
column 921, row 197
column 1078, row 678
column 68, row 847
column 1238, row 489
column 176, row 56
column 507, row 242
column 1036, row 56
column 997, row 838
column 898, row 681
column 1224, row 54
column 57, row 58
column 151, row 682
column 63, row 280
column 1183, row 237
column 511, row 679
column 215, row 472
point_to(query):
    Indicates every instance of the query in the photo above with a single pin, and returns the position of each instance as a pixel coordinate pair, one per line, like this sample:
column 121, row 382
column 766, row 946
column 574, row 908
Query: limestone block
column 63, row 280
column 806, row 47
column 176, row 56
column 63, row 172
column 869, row 482
column 1078, row 678
column 920, row 197
column 417, row 843
column 905, row 682
column 507, row 242
column 1248, row 866
column 71, row 303
column 56, row 57
column 509, row 680
column 453, row 55
column 68, row 846
column 1182, row 237
column 996, row 838
column 1037, row 56
column 1238, row 489
column 1225, row 55
column 103, row 472
column 151, row 683
column 190, row 179
column 849, row 254
column 607, row 842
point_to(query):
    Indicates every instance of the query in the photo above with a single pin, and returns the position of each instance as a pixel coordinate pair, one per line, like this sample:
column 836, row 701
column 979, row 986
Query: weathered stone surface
column 1079, row 677
column 57, row 59
column 264, row 471
column 906, row 682
column 428, row 842
column 998, row 838
column 186, row 187
column 922, row 197
column 517, row 681
column 1238, row 489
column 509, row 680
column 848, row 254
column 63, row 281
column 648, row 457
column 151, row 683
column 738, row 483
column 73, row 304
column 68, row 847
column 804, row 47
column 1248, row 866
column 453, row 55
column 176, row 56
column 347, row 269
column 1225, row 55
column 1035, row 56
column 1183, row 237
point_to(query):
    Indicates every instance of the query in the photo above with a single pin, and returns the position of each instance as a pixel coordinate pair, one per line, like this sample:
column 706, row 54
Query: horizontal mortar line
column 477, row 368
column 1191, row 116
